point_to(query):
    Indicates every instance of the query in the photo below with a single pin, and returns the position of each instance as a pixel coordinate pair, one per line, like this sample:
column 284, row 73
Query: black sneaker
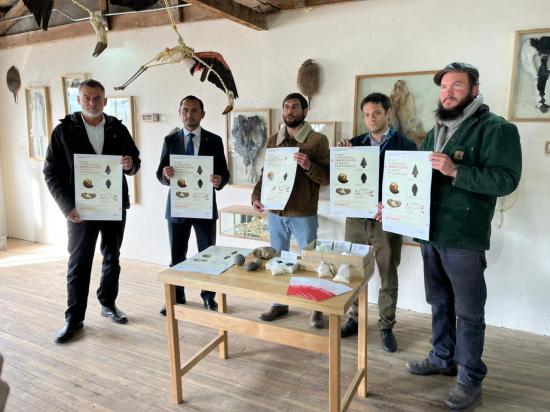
column 349, row 328
column 426, row 367
column 114, row 313
column 462, row 396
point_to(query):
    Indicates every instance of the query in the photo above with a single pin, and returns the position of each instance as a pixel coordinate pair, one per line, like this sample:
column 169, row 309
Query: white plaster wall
column 3, row 226
column 377, row 36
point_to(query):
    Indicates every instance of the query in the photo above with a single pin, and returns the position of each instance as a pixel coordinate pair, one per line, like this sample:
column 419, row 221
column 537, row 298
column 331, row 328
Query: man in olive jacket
column 477, row 157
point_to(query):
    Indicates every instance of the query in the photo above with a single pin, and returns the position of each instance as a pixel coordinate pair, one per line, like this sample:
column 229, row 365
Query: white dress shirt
column 196, row 139
column 96, row 134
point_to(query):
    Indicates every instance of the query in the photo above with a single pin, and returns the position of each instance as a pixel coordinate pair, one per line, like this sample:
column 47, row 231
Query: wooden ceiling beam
column 19, row 9
column 83, row 28
column 7, row 3
column 234, row 11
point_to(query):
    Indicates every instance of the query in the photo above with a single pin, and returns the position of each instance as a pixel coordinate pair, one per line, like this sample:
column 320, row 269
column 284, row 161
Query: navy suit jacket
column 210, row 145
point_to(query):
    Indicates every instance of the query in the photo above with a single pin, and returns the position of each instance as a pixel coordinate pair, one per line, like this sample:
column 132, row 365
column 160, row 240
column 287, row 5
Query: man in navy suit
column 192, row 140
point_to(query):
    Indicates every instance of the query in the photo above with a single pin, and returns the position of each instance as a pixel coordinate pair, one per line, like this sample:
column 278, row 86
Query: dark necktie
column 190, row 149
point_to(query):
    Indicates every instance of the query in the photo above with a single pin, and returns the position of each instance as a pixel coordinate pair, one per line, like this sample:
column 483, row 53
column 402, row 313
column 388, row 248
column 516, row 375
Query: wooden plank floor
column 124, row 367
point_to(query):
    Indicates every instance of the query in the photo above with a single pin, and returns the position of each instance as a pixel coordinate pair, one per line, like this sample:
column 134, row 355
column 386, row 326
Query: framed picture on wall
column 123, row 108
column 70, row 84
column 530, row 89
column 323, row 127
column 37, row 101
column 414, row 98
column 247, row 131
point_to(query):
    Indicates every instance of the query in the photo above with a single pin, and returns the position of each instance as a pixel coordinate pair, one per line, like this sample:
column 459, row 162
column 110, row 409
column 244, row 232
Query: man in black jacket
column 192, row 140
column 376, row 108
column 89, row 132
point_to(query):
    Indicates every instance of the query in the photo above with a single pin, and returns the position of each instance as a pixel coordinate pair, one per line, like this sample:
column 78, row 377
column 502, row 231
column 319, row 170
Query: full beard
column 294, row 123
column 457, row 111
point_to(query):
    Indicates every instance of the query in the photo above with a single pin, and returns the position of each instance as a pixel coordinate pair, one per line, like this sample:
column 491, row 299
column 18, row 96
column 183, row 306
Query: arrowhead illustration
column 199, row 170
column 364, row 162
column 108, row 170
column 415, row 171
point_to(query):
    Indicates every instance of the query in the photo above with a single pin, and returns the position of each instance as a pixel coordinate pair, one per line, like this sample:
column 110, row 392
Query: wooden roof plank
column 234, row 11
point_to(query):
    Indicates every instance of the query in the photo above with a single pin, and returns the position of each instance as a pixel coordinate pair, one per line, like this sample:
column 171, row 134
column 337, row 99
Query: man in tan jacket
column 299, row 217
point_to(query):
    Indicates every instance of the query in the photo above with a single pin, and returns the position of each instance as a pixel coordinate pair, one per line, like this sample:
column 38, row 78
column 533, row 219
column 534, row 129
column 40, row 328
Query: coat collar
column 300, row 137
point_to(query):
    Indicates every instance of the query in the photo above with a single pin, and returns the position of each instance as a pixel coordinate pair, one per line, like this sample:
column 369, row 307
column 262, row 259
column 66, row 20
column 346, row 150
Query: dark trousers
column 82, row 241
column 178, row 235
column 455, row 287
column 387, row 254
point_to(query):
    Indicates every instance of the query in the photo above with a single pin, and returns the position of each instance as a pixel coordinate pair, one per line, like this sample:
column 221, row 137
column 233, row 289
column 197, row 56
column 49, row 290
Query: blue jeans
column 281, row 228
column 304, row 229
column 455, row 287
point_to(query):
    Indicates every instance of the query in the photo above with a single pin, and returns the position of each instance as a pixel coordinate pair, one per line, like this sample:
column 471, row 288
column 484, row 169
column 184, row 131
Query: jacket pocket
column 453, row 220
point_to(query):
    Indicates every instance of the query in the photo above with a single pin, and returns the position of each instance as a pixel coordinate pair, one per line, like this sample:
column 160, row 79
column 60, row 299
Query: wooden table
column 261, row 286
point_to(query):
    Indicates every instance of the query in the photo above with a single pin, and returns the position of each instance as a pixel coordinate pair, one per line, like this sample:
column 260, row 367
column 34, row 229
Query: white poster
column 98, row 186
column 406, row 193
column 278, row 177
column 214, row 260
column 191, row 192
column 354, row 181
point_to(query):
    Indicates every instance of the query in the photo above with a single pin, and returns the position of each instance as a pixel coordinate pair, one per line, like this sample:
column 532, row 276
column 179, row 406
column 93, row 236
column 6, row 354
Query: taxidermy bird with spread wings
column 212, row 64
column 42, row 10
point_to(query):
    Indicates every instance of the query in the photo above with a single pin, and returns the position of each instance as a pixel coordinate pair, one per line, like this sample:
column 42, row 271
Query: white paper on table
column 354, row 180
column 214, row 260
column 406, row 193
column 98, row 186
column 191, row 192
column 341, row 246
column 278, row 177
column 359, row 249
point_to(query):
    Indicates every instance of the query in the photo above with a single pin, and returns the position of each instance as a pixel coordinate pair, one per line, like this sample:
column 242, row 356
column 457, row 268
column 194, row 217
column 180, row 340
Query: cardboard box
column 311, row 258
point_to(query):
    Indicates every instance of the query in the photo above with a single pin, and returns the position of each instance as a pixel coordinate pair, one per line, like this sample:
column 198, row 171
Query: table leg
column 173, row 344
column 224, row 346
column 334, row 363
column 362, row 339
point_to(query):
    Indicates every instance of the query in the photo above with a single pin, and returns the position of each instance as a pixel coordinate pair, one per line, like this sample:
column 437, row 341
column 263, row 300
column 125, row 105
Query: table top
column 261, row 286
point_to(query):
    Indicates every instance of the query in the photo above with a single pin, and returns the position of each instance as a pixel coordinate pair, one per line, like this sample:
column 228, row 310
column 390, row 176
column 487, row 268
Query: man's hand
column 168, row 172
column 73, row 216
column 444, row 164
column 258, row 206
column 303, row 160
column 216, row 180
column 343, row 143
column 378, row 215
column 126, row 162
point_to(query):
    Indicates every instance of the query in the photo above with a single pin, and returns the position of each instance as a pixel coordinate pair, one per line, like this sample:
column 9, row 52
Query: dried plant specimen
column 248, row 138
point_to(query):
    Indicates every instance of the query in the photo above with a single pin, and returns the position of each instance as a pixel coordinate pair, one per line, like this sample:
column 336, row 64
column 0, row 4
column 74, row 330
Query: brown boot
column 274, row 312
column 316, row 319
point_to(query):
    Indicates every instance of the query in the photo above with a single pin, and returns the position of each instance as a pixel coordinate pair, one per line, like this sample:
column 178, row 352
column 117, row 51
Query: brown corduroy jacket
column 305, row 192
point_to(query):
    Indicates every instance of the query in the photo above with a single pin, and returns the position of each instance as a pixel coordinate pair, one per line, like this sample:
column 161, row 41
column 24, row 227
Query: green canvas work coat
column 487, row 152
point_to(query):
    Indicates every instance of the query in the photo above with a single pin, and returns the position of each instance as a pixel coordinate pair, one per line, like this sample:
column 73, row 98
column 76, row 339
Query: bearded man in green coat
column 477, row 157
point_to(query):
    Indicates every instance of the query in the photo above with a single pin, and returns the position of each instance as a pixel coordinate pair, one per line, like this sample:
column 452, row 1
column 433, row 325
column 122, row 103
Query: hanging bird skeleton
column 42, row 10
column 212, row 64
